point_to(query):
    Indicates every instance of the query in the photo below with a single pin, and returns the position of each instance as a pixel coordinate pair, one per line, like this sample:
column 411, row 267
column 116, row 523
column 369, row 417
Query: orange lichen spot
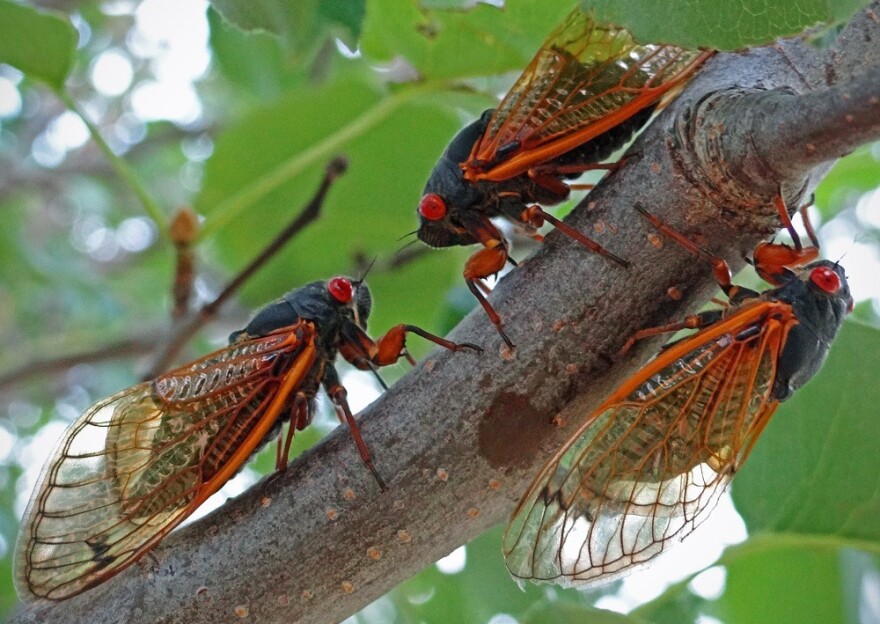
column 265, row 501
column 599, row 227
column 283, row 600
column 348, row 494
column 374, row 553
column 572, row 368
column 429, row 365
column 241, row 611
column 507, row 353
column 306, row 595
column 331, row 514
column 473, row 512
column 404, row 536
column 442, row 474
column 655, row 167
column 494, row 484
column 558, row 325
column 655, row 240
column 674, row 293
column 347, row 587
column 558, row 421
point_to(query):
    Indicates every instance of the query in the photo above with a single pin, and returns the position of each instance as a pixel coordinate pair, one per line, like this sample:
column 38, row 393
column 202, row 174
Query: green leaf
column 460, row 44
column 816, row 469
column 303, row 25
column 40, row 44
column 721, row 24
column 253, row 60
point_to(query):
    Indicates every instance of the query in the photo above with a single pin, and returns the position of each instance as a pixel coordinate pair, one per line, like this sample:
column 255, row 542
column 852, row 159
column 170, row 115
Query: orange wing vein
column 586, row 79
column 135, row 465
column 651, row 462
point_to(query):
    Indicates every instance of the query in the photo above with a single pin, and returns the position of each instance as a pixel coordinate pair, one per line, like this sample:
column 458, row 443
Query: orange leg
column 392, row 345
column 692, row 321
column 338, row 395
column 720, row 268
column 299, row 420
column 535, row 215
column 482, row 264
column 772, row 259
column 366, row 354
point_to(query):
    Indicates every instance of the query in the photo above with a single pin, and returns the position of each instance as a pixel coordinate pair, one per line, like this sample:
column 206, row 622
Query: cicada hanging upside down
column 588, row 89
column 135, row 465
column 652, row 461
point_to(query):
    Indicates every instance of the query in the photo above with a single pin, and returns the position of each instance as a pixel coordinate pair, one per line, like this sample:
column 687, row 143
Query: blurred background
column 239, row 126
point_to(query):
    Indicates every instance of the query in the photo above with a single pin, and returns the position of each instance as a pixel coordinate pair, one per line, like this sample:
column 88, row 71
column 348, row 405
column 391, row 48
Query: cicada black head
column 447, row 194
column 326, row 303
column 820, row 299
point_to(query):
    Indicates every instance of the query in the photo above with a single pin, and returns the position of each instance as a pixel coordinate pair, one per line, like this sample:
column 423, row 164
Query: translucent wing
column 586, row 79
column 135, row 465
column 652, row 461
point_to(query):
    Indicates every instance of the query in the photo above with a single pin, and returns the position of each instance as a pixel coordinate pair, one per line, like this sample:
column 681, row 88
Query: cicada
column 135, row 465
column 647, row 467
column 588, row 89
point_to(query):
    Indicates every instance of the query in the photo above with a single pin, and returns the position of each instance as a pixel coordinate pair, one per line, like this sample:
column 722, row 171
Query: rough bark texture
column 321, row 542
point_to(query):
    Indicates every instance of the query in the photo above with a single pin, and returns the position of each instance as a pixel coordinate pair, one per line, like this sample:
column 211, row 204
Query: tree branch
column 321, row 541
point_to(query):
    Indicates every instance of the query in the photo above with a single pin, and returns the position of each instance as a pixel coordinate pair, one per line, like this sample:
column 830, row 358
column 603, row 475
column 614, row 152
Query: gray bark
column 321, row 542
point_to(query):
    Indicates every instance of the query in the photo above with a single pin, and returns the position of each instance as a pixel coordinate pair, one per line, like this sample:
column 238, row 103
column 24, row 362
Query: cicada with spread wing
column 135, row 465
column 652, row 461
column 588, row 89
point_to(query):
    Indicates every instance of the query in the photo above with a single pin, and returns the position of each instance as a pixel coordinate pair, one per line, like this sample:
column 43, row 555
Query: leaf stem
column 118, row 163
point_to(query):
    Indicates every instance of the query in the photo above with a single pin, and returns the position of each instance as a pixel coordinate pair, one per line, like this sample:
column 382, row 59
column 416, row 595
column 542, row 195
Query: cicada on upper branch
column 135, row 465
column 651, row 462
column 588, row 89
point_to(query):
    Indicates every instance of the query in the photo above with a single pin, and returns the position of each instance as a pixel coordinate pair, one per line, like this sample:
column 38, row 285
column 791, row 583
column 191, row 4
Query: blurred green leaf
column 483, row 589
column 784, row 585
column 565, row 613
column 460, row 44
column 816, row 469
column 41, row 44
column 856, row 174
column 303, row 25
column 721, row 24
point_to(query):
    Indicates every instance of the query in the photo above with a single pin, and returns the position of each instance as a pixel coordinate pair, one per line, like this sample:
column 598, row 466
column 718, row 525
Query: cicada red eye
column 340, row 289
column 432, row 207
column 826, row 279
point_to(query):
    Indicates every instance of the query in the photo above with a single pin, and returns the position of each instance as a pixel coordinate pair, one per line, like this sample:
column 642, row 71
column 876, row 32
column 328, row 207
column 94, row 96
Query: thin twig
column 124, row 347
column 186, row 331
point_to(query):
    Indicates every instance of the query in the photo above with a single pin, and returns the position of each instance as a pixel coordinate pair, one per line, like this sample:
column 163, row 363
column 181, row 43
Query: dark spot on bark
column 486, row 382
column 511, row 430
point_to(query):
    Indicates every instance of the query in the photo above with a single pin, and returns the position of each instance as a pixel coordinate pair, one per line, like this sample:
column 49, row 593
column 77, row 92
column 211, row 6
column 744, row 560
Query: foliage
column 85, row 260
